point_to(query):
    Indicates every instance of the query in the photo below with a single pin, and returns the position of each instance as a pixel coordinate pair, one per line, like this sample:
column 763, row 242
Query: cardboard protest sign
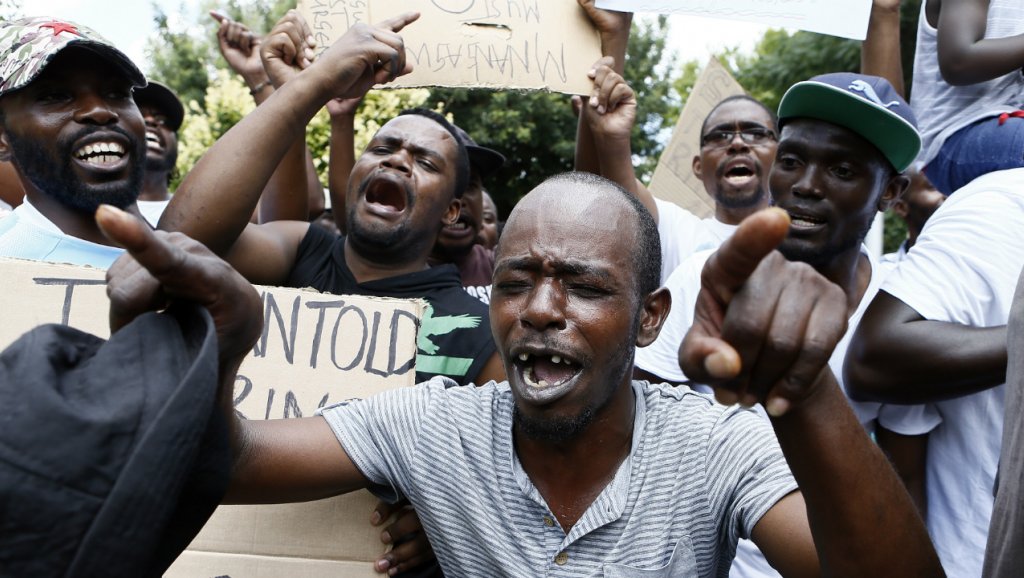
column 673, row 178
column 846, row 18
column 526, row 44
column 316, row 349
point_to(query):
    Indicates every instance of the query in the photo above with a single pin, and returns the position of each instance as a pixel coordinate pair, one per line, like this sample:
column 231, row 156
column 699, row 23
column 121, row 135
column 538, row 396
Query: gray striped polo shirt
column 698, row 477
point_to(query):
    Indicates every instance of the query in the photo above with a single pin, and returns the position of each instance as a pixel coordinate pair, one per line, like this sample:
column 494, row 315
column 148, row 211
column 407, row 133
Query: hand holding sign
column 530, row 44
column 764, row 328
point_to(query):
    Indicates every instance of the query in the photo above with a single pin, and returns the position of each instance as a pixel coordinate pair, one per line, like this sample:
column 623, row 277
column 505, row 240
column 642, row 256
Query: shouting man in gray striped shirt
column 573, row 469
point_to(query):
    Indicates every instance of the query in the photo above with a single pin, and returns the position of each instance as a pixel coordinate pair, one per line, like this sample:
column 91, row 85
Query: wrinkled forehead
column 420, row 131
column 567, row 220
column 825, row 137
column 739, row 112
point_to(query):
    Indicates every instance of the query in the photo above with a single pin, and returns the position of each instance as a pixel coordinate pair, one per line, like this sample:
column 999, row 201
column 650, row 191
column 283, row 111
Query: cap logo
column 59, row 27
column 870, row 94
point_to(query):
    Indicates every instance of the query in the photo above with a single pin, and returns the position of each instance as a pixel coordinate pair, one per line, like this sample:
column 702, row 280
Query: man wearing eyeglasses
column 737, row 145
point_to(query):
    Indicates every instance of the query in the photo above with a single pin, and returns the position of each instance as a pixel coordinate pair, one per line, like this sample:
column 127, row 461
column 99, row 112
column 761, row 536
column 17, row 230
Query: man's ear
column 697, row 168
column 894, row 189
column 901, row 208
column 5, row 148
column 653, row 315
column 452, row 214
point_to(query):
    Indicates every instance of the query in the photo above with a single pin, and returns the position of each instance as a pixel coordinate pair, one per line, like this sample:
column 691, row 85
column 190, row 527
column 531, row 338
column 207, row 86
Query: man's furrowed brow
column 571, row 268
column 395, row 142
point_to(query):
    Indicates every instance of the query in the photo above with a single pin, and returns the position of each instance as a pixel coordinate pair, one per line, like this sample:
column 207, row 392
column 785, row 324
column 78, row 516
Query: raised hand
column 370, row 55
column 764, row 328
column 288, row 49
column 611, row 108
column 240, row 48
column 612, row 26
column 343, row 106
column 160, row 267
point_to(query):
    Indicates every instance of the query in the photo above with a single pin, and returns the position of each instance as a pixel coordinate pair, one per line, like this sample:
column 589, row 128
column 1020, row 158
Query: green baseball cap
column 27, row 45
column 866, row 105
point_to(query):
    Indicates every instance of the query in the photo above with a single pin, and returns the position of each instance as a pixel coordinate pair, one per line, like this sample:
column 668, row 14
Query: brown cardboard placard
column 673, row 178
column 525, row 44
column 316, row 349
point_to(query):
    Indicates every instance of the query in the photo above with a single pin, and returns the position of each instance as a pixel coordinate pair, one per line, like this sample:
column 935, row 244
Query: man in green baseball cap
column 71, row 129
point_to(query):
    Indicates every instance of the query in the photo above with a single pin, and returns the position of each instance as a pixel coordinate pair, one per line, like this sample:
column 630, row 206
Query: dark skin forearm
column 288, row 460
column 897, row 356
column 862, row 519
column 908, row 455
column 965, row 55
column 214, row 202
column 880, row 52
column 283, row 199
column 343, row 158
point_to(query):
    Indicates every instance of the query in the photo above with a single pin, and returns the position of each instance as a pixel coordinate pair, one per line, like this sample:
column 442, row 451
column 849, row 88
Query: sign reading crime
column 524, row 44
column 673, row 178
column 316, row 349
column 846, row 18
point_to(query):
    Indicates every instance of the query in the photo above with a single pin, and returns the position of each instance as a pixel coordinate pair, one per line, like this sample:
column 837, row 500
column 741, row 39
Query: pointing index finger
column 757, row 236
column 138, row 239
column 399, row 22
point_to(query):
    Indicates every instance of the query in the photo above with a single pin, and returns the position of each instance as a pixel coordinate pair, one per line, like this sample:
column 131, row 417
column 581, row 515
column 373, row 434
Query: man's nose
column 545, row 308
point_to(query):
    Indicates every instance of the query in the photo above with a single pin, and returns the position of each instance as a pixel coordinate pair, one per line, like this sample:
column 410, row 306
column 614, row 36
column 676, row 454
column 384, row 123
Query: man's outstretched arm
column 275, row 461
column 764, row 329
column 897, row 356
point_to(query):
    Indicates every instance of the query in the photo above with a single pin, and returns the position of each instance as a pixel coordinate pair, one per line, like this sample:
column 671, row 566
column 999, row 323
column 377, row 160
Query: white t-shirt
column 963, row 269
column 682, row 234
column 28, row 234
column 151, row 210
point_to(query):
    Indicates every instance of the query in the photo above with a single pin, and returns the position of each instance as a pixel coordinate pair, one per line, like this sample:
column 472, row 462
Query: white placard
column 846, row 18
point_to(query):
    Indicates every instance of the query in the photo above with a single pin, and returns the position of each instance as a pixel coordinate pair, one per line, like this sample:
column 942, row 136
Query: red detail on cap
column 59, row 27
column 1006, row 115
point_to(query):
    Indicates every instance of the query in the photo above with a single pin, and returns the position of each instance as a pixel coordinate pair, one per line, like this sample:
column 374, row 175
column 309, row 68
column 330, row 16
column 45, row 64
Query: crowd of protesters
column 607, row 384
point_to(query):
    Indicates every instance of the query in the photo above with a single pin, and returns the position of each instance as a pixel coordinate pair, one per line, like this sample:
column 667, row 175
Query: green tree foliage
column 536, row 131
column 180, row 59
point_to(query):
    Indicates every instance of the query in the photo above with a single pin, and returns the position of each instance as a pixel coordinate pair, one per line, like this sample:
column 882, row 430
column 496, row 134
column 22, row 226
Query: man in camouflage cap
column 71, row 129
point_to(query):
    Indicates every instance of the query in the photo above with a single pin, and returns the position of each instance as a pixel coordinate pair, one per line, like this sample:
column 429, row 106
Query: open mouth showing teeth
column 804, row 221
column 540, row 371
column 458, row 226
column 739, row 174
column 387, row 193
column 152, row 137
column 100, row 153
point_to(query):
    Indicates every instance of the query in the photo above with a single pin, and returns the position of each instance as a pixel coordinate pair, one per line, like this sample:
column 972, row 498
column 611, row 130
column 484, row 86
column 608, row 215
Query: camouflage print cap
column 27, row 45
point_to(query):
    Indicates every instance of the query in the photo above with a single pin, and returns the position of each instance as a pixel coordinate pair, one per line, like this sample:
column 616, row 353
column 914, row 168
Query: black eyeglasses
column 751, row 135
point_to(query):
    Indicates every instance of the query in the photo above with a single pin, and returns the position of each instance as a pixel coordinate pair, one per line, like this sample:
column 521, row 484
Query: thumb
column 729, row 268
column 138, row 239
